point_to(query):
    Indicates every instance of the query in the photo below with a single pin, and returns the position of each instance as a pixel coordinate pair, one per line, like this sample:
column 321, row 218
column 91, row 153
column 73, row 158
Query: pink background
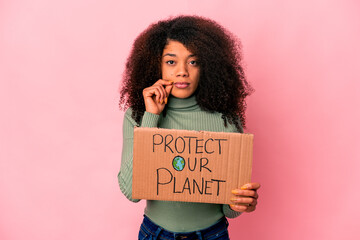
column 60, row 67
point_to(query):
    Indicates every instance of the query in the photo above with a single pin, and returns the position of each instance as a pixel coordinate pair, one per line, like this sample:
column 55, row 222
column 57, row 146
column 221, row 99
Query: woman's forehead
column 176, row 48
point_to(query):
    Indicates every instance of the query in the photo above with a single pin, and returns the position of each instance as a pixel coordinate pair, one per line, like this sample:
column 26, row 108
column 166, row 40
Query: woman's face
column 180, row 66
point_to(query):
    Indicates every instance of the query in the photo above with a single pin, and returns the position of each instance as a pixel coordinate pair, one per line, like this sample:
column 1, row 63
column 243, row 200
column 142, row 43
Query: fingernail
column 233, row 199
column 165, row 100
column 234, row 191
column 245, row 187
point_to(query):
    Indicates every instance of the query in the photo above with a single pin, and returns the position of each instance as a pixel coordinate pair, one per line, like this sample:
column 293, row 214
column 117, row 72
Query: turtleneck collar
column 182, row 104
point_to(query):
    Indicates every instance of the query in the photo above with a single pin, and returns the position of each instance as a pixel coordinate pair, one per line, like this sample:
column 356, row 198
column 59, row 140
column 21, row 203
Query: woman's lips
column 181, row 84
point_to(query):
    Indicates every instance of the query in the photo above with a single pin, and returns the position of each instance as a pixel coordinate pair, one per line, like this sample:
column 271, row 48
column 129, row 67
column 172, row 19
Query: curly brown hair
column 222, row 86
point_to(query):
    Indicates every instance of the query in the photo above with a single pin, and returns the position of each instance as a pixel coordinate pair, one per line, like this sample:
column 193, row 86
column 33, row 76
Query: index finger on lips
column 165, row 82
column 167, row 85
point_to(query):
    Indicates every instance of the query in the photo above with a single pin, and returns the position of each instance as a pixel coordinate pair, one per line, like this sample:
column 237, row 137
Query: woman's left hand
column 245, row 199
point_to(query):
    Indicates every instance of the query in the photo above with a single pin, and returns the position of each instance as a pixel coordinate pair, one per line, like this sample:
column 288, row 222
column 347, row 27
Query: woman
column 185, row 73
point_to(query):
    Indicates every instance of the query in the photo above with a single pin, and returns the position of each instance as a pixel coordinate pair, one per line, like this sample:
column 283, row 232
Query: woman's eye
column 170, row 62
column 193, row 62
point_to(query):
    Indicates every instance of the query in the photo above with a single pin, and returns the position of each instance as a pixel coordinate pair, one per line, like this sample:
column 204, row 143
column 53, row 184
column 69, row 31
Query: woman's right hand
column 155, row 96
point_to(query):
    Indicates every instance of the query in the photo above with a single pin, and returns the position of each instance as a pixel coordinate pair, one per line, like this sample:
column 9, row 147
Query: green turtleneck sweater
column 174, row 216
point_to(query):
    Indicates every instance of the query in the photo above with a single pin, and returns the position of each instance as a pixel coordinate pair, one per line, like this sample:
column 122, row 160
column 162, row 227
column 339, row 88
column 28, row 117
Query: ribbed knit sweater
column 174, row 216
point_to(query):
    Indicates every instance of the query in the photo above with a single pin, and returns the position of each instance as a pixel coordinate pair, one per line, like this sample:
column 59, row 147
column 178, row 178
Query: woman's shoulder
column 128, row 117
column 128, row 111
column 231, row 126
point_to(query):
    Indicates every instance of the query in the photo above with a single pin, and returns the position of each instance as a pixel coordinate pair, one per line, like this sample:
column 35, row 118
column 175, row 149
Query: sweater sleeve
column 228, row 212
column 126, row 169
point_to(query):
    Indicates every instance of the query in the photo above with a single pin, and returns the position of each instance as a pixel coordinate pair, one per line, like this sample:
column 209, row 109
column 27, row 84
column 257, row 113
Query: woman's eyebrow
column 174, row 55
column 169, row 54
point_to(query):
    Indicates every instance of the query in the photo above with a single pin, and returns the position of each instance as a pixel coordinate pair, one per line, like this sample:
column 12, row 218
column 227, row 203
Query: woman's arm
column 155, row 98
column 126, row 169
column 245, row 198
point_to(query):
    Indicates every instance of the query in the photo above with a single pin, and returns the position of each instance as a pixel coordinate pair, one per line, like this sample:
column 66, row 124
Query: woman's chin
column 181, row 93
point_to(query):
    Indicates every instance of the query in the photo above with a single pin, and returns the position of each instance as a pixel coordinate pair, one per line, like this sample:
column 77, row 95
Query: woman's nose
column 182, row 71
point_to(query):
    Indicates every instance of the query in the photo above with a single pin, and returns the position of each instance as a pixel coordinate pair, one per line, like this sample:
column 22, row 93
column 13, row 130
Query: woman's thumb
column 168, row 89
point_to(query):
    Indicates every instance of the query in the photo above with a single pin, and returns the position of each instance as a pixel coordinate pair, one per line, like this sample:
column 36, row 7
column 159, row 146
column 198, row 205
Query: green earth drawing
column 178, row 163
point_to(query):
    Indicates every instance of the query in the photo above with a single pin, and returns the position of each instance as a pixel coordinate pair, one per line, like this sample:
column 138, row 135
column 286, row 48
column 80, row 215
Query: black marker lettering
column 188, row 185
column 189, row 142
column 167, row 143
column 218, row 185
column 219, row 140
column 204, row 165
column 197, row 186
column 176, row 144
column 158, row 179
column 174, row 189
column 156, row 143
column 194, row 164
column 198, row 146
column 206, row 187
column 206, row 145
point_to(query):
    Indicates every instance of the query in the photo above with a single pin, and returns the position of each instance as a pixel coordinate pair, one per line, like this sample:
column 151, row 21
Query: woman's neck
column 182, row 104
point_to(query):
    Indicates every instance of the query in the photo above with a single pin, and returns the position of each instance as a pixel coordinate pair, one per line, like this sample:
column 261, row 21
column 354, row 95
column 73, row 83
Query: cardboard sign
column 190, row 166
